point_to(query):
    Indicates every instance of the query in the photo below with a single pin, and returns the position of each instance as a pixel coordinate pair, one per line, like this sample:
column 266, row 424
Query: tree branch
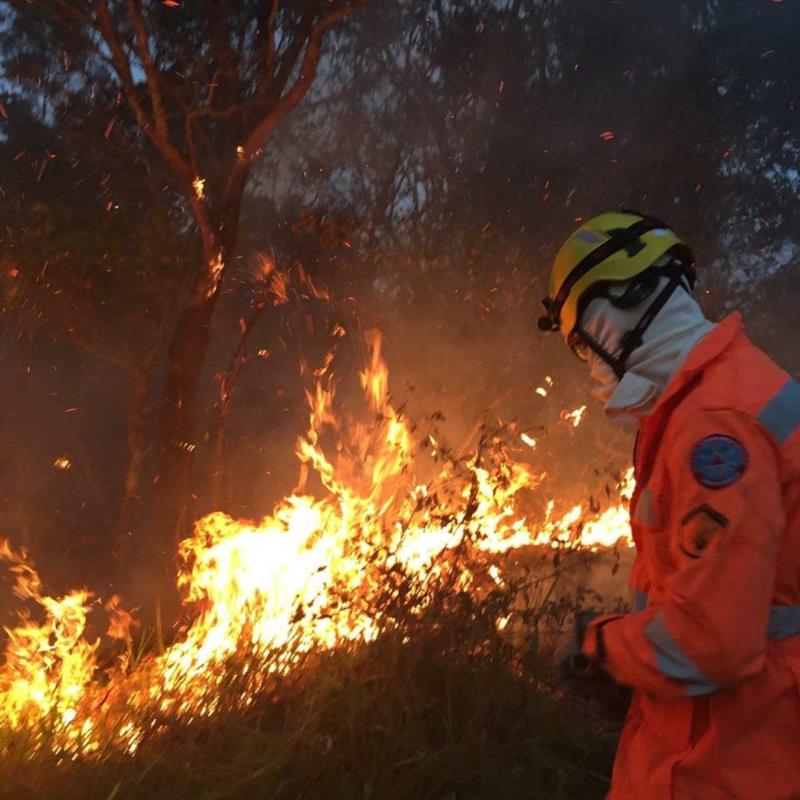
column 121, row 65
column 73, row 12
column 145, row 56
column 271, row 20
column 273, row 85
column 156, row 131
column 308, row 72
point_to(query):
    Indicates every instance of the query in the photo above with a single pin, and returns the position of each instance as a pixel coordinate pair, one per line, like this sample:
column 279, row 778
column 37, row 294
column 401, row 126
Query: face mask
column 604, row 378
column 667, row 342
column 633, row 399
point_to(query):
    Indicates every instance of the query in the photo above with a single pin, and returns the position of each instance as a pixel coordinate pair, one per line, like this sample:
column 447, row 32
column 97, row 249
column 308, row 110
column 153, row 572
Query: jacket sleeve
column 706, row 627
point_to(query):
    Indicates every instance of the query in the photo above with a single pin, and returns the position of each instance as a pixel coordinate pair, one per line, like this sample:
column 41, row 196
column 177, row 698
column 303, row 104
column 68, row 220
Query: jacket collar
column 703, row 353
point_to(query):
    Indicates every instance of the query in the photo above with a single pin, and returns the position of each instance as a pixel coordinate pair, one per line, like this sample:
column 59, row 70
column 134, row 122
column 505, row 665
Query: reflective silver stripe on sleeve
column 784, row 621
column 781, row 415
column 674, row 663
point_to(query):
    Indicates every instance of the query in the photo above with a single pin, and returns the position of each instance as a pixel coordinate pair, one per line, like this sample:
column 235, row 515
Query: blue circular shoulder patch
column 718, row 461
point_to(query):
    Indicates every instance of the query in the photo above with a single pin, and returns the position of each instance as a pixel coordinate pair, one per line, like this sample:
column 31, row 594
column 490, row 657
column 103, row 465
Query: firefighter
column 712, row 649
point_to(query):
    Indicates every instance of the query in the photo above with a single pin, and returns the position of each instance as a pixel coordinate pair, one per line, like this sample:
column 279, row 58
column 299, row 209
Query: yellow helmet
column 613, row 247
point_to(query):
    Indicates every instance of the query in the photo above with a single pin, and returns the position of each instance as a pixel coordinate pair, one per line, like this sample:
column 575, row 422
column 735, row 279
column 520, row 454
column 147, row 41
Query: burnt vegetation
column 197, row 196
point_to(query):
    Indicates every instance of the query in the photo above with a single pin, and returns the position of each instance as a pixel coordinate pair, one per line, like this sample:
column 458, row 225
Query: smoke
column 427, row 182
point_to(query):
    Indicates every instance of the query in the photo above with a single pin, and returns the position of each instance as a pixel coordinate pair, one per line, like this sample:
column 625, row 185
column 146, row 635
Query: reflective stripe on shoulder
column 674, row 663
column 781, row 415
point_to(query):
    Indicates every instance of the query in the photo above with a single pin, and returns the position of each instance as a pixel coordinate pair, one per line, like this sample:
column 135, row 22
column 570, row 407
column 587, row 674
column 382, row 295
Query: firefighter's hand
column 572, row 663
column 581, row 676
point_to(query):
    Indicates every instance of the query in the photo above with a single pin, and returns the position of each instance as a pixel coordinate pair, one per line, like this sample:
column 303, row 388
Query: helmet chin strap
column 634, row 337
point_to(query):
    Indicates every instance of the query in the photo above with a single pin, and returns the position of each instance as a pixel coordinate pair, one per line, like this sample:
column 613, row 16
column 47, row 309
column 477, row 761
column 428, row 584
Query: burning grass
column 372, row 636
column 446, row 714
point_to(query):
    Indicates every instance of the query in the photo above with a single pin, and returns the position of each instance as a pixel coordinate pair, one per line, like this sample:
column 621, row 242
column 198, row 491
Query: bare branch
column 121, row 64
column 271, row 20
column 155, row 131
column 226, row 57
column 153, row 81
column 70, row 10
column 274, row 81
column 308, row 72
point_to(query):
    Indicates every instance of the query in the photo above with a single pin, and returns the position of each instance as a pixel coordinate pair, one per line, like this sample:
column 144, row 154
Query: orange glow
column 304, row 578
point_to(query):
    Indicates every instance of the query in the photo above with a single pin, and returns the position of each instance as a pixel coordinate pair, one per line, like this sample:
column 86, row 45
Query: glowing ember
column 199, row 185
column 541, row 391
column 307, row 577
column 215, row 268
column 575, row 417
column 62, row 463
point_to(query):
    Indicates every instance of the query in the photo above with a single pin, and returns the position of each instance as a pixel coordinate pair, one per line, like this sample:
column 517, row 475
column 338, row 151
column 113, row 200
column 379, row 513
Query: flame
column 49, row 666
column 215, row 269
column 199, row 186
column 307, row 577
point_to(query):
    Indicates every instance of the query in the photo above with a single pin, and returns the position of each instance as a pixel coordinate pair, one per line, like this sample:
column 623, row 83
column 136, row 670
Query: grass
column 388, row 721
column 441, row 706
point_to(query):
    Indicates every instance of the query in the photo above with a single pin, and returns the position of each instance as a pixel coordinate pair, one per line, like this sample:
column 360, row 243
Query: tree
column 207, row 83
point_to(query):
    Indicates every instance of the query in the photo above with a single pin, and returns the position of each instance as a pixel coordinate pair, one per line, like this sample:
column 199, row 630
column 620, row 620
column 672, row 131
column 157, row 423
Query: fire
column 215, row 269
column 307, row 577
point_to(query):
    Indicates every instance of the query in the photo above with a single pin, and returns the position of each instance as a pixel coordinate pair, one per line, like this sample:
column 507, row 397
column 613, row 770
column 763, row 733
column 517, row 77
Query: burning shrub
column 431, row 578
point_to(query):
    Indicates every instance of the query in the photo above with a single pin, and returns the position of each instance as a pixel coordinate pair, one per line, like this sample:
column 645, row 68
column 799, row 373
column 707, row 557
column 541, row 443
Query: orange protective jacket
column 713, row 650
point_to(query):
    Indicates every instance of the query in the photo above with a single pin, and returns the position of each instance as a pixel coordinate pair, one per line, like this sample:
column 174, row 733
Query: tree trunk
column 186, row 356
column 187, row 352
